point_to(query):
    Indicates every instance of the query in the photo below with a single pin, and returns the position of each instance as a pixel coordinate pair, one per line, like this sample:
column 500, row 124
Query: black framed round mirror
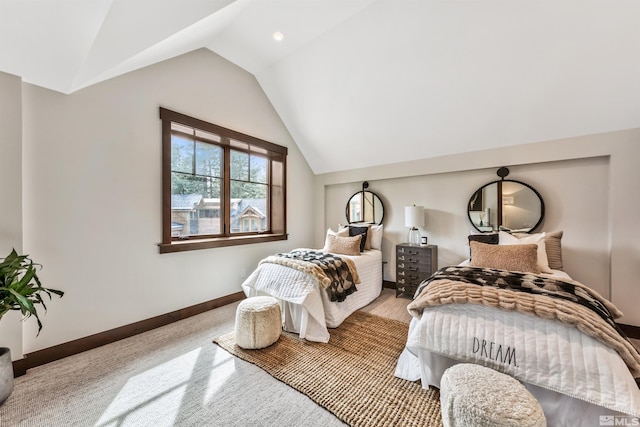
column 365, row 206
column 506, row 204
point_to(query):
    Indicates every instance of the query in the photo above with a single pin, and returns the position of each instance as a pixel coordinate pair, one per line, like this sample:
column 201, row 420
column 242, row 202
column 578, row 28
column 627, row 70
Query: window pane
column 239, row 144
column 183, row 184
column 239, row 165
column 181, row 128
column 208, row 159
column 248, row 201
column 258, row 169
column 195, row 205
column 277, row 197
column 207, row 135
column 181, row 154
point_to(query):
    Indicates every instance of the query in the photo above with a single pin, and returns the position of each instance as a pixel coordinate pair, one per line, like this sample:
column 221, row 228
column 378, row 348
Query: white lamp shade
column 414, row 216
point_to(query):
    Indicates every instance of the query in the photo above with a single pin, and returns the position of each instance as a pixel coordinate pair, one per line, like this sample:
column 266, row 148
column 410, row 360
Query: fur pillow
column 538, row 239
column 553, row 246
column 522, row 258
column 342, row 245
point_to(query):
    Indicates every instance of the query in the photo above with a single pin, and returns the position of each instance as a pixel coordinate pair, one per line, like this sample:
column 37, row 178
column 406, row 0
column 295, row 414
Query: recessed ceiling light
column 278, row 36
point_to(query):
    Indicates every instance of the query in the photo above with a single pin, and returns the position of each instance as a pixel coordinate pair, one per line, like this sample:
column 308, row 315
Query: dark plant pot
column 6, row 374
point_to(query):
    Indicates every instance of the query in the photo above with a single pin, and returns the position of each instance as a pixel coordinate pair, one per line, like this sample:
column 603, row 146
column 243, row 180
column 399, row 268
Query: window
column 220, row 187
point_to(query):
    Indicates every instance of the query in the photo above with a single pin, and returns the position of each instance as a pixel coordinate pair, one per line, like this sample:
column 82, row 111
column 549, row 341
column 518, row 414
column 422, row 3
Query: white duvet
column 306, row 307
column 537, row 351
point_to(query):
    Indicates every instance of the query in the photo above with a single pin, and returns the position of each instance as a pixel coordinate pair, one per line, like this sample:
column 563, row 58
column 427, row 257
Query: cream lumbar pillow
column 522, row 258
column 537, row 239
column 342, row 245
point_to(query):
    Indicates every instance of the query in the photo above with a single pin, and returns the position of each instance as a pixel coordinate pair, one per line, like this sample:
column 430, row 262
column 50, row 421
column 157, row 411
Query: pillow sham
column 374, row 233
column 342, row 245
column 376, row 236
column 537, row 239
column 339, row 233
column 553, row 245
column 363, row 231
column 488, row 238
column 553, row 242
column 522, row 258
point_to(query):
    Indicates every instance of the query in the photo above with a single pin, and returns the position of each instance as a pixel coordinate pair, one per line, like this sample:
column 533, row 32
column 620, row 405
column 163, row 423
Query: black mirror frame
column 501, row 170
column 365, row 185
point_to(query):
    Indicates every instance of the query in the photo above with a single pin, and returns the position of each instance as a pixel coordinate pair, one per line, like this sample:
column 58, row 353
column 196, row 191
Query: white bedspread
column 537, row 351
column 306, row 308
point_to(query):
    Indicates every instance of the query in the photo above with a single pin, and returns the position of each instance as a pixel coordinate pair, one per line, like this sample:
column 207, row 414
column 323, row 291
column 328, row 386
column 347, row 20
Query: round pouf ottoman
column 474, row 395
column 258, row 322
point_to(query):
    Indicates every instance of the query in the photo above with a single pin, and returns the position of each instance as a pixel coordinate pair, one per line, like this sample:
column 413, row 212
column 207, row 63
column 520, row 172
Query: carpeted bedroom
column 177, row 375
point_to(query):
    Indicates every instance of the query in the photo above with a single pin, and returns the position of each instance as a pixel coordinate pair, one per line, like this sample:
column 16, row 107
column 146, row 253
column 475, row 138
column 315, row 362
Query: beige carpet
column 352, row 375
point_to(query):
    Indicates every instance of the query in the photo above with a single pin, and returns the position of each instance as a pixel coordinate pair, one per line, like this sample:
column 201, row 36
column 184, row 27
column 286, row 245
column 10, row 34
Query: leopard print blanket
column 337, row 275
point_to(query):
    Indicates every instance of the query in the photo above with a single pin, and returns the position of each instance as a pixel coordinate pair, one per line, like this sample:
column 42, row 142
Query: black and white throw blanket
column 530, row 283
column 337, row 275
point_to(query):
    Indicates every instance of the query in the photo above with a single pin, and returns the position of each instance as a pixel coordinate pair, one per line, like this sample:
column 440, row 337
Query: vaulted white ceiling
column 365, row 82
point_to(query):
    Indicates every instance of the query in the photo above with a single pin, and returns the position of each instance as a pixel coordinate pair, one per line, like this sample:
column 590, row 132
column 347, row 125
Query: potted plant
column 20, row 289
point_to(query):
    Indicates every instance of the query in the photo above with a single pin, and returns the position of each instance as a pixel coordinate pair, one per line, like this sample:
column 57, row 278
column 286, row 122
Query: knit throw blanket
column 337, row 275
column 568, row 302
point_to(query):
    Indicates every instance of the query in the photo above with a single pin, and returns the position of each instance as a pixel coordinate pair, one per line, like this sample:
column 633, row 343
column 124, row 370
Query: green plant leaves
column 20, row 287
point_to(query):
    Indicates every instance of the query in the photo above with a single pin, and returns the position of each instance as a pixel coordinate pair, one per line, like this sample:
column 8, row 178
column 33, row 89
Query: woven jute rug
column 352, row 375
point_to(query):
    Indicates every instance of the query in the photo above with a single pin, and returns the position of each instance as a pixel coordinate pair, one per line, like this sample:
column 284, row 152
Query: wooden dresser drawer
column 413, row 265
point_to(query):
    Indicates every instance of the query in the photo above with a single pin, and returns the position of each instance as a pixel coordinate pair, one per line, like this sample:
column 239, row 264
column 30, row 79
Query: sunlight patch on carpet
column 155, row 394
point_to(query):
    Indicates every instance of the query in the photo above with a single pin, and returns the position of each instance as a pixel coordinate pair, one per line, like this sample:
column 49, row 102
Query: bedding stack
column 317, row 288
column 510, row 307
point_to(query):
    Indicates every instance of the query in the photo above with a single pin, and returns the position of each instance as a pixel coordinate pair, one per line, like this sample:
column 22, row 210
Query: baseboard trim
column 41, row 357
column 388, row 284
column 630, row 330
column 19, row 367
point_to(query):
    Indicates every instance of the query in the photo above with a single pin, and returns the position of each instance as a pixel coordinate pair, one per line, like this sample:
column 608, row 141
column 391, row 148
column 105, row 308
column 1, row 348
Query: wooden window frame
column 274, row 152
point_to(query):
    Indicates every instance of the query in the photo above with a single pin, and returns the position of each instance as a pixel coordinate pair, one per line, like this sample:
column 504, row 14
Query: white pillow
column 375, row 235
column 538, row 239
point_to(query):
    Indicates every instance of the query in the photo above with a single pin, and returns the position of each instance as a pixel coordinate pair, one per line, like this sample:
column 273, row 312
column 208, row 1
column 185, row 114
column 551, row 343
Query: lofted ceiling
column 362, row 83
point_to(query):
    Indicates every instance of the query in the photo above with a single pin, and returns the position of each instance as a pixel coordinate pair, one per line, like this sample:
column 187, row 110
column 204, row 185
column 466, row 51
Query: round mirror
column 365, row 206
column 506, row 204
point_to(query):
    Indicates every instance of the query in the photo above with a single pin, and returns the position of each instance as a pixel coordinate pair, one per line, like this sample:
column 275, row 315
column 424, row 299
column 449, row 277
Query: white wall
column 589, row 185
column 92, row 194
column 10, row 193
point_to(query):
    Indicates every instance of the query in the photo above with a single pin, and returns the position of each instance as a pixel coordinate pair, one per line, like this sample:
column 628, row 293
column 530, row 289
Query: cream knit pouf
column 258, row 322
column 474, row 395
